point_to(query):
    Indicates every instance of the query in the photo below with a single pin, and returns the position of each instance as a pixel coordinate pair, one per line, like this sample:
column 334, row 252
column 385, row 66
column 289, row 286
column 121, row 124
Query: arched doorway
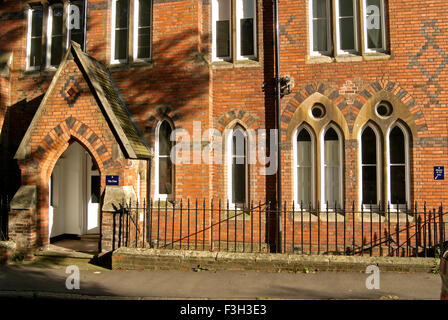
column 74, row 195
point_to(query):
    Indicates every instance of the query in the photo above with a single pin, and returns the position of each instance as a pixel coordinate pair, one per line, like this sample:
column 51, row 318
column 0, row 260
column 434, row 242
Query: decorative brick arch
column 243, row 117
column 395, row 91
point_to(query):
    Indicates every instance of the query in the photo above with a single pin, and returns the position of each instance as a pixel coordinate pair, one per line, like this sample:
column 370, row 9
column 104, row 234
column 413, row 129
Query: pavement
column 34, row 280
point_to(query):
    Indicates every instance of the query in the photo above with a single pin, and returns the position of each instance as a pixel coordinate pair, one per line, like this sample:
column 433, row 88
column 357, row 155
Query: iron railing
column 217, row 226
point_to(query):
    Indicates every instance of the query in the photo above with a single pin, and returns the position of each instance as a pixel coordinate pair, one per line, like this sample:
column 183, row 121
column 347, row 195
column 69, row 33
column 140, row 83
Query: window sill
column 371, row 56
column 236, row 64
column 131, row 65
column 39, row 73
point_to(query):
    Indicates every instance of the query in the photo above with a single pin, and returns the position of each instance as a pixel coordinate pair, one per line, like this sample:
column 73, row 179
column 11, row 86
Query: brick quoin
column 182, row 84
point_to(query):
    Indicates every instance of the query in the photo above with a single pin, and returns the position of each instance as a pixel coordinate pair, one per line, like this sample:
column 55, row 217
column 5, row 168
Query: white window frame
column 313, row 168
column 355, row 26
column 157, row 194
column 113, row 24
column 322, row 167
column 238, row 17
column 379, row 165
column 50, row 34
column 229, row 150
column 136, row 27
column 215, row 9
column 406, row 135
column 383, row 28
column 311, row 30
column 28, row 39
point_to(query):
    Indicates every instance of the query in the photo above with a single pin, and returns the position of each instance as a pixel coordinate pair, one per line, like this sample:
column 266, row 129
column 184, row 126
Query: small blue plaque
column 439, row 173
column 112, row 180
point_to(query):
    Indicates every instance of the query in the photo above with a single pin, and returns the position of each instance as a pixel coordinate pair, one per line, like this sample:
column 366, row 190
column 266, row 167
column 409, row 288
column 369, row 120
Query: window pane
column 144, row 13
column 320, row 9
column 165, row 175
column 320, row 35
column 304, row 185
column 374, row 24
column 369, row 146
column 247, row 37
column 35, row 54
column 223, row 9
column 144, row 40
column 56, row 36
column 369, row 185
column 304, row 148
column 121, row 43
column 121, row 14
column 332, row 185
column 331, row 148
column 223, row 38
column 239, row 144
column 56, row 50
column 346, row 8
column 238, row 182
column 397, row 147
column 36, row 23
column 398, row 184
column 165, row 139
column 347, row 33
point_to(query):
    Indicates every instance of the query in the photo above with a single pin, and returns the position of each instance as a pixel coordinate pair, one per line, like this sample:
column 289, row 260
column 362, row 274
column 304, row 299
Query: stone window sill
column 131, row 65
column 235, row 64
column 374, row 56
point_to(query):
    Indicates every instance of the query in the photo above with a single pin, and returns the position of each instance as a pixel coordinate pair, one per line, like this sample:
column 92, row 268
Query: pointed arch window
column 163, row 166
column 398, row 165
column 332, row 168
column 304, row 167
column 238, row 168
column 370, row 167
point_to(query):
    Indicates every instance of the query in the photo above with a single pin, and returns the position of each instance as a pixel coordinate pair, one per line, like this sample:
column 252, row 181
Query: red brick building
column 365, row 121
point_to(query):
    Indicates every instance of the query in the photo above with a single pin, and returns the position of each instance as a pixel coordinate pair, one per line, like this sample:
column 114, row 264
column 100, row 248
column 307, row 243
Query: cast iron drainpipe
column 278, row 97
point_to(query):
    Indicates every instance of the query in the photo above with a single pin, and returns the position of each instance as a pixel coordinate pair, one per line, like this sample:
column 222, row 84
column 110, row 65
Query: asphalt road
column 26, row 281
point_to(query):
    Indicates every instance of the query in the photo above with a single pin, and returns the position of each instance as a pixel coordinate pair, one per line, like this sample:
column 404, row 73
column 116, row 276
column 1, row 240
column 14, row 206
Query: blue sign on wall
column 112, row 180
column 439, row 173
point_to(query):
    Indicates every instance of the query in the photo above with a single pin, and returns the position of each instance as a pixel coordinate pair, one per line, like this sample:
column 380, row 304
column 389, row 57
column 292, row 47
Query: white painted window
column 304, row 172
column 222, row 29
column 374, row 26
column 120, row 31
column 245, row 29
column 163, row 165
column 398, row 166
column 320, row 27
column 243, row 21
column 55, row 25
column 142, row 30
column 370, row 167
column 75, row 23
column 346, row 26
column 237, row 166
column 34, row 38
column 331, row 168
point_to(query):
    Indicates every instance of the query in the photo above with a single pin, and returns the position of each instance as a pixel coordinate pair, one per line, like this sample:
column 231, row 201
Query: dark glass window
column 36, row 37
column 121, row 29
column 76, row 28
column 56, row 34
column 144, row 29
column 304, row 168
column 320, row 25
column 347, row 32
column 369, row 167
column 165, row 164
column 397, row 150
column 239, row 174
column 247, row 37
